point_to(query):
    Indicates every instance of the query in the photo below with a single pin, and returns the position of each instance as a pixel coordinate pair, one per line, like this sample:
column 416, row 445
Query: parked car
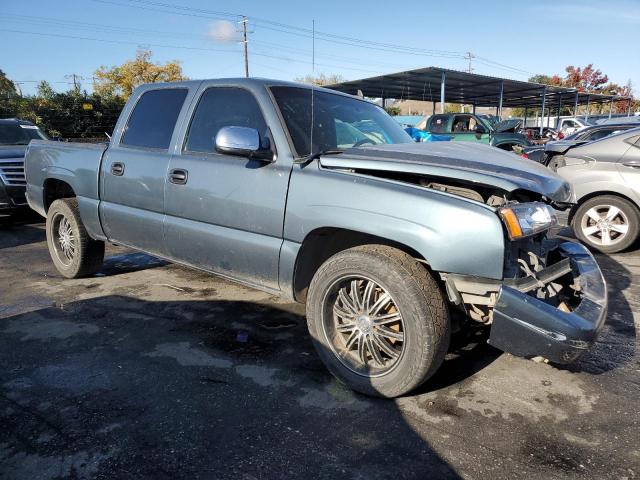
column 606, row 177
column 545, row 154
column 382, row 237
column 572, row 124
column 14, row 136
column 472, row 128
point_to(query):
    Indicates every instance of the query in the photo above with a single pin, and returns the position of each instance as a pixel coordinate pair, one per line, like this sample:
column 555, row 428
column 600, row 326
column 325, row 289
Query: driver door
column 464, row 127
column 225, row 213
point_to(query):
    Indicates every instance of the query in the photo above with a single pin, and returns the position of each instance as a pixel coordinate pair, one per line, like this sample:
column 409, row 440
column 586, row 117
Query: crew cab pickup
column 322, row 198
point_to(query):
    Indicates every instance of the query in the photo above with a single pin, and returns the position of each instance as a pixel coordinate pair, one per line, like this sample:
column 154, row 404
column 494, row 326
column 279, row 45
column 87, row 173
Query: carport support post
column 524, row 122
column 610, row 107
column 559, row 108
column 442, row 86
column 434, row 107
column 474, row 108
column 544, row 97
column 575, row 105
column 587, row 116
column 501, row 95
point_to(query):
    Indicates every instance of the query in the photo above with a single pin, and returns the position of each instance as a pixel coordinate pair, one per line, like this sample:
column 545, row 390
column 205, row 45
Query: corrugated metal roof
column 462, row 87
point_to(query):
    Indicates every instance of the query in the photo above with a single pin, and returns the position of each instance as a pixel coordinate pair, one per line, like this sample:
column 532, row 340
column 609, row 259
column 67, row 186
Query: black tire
column 628, row 215
column 88, row 254
column 425, row 318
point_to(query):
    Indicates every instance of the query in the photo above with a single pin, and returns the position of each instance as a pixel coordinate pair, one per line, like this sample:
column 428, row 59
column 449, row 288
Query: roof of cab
column 249, row 82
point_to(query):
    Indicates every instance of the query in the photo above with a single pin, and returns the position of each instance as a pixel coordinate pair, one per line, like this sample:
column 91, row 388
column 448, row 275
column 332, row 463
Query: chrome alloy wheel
column 363, row 326
column 64, row 239
column 604, row 225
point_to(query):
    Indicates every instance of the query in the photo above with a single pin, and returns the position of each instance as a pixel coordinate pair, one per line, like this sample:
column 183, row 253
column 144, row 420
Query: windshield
column 17, row 134
column 340, row 122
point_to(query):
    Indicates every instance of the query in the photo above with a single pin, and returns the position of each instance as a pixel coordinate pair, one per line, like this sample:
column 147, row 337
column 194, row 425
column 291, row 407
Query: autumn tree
column 321, row 79
column 584, row 79
column 121, row 80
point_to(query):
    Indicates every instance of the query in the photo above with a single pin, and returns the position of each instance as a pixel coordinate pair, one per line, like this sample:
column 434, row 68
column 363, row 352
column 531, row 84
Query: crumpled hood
column 465, row 161
column 12, row 151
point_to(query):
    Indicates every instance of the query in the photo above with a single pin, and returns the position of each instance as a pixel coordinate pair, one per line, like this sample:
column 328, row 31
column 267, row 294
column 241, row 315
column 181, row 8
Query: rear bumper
column 526, row 326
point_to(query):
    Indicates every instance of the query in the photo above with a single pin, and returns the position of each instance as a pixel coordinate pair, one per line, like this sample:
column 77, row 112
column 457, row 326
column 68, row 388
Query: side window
column 153, row 118
column 439, row 124
column 598, row 134
column 222, row 107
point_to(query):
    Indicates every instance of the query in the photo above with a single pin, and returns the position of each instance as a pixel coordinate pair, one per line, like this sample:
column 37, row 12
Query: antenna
column 313, row 72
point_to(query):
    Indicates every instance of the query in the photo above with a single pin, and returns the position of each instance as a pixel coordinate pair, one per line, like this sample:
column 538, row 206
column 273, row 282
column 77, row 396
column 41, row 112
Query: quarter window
column 153, row 118
column 222, row 107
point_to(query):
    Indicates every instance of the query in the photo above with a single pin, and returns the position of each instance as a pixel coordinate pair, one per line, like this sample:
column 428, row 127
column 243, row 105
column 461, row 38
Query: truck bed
column 76, row 165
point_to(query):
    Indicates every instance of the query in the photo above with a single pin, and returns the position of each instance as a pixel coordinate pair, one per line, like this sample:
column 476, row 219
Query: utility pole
column 75, row 79
column 470, row 56
column 246, row 46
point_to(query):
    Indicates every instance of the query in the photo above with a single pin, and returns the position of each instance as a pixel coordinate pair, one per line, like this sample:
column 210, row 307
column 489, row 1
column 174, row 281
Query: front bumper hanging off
column 526, row 326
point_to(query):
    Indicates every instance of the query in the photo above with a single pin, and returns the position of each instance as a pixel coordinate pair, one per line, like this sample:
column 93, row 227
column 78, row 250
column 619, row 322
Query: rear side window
column 153, row 118
column 439, row 124
column 222, row 107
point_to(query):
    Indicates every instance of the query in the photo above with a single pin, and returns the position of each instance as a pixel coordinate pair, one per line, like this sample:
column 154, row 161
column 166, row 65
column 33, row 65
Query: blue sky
column 509, row 38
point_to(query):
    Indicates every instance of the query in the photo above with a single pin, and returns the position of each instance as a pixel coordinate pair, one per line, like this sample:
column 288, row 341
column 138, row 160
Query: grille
column 12, row 171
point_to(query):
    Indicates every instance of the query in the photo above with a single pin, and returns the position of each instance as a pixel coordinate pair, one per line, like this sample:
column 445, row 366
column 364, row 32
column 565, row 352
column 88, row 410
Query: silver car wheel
column 64, row 239
column 604, row 225
column 363, row 326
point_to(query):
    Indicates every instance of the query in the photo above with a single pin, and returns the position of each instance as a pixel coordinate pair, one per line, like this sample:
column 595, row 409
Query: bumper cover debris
column 528, row 327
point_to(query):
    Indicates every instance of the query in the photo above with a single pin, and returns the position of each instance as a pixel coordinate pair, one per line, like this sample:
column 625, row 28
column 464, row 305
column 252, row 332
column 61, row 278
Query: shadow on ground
column 116, row 386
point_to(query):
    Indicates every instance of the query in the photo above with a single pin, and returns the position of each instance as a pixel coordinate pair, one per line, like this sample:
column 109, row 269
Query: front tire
column 378, row 320
column 607, row 223
column 73, row 252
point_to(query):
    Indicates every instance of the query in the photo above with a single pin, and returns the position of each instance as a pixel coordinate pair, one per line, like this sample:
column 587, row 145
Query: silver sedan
column 605, row 175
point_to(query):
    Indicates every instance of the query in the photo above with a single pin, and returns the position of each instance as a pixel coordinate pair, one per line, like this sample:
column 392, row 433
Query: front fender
column 451, row 233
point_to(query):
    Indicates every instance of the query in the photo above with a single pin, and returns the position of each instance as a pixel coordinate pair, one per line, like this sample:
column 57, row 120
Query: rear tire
column 73, row 252
column 403, row 337
column 607, row 223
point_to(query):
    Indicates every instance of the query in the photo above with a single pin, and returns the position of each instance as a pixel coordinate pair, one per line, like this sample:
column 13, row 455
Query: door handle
column 178, row 176
column 117, row 169
column 632, row 163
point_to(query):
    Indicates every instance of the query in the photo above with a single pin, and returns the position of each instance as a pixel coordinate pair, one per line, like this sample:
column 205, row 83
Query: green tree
column 121, row 80
column 393, row 110
column 7, row 87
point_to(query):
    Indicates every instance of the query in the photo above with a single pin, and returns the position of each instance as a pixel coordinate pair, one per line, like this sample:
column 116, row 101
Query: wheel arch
column 54, row 189
column 324, row 242
column 600, row 193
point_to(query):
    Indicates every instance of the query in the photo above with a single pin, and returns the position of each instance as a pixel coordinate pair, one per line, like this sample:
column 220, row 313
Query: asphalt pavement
column 151, row 370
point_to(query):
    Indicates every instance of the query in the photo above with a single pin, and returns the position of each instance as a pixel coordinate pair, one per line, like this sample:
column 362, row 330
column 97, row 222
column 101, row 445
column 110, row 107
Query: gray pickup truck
column 322, row 198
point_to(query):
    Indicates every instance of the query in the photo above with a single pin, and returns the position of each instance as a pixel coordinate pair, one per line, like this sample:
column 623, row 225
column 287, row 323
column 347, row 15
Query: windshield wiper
column 312, row 156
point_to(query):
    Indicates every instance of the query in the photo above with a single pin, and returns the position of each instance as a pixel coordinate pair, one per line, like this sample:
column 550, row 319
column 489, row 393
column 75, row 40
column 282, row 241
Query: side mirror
column 480, row 130
column 243, row 142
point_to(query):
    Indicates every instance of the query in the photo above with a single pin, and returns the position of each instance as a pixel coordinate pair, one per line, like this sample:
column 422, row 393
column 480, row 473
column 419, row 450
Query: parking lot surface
column 150, row 370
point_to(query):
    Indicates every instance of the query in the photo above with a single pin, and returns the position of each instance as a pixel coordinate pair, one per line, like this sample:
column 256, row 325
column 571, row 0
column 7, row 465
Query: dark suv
column 15, row 135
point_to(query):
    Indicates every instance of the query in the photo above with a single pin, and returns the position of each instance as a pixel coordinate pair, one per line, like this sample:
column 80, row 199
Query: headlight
column 525, row 219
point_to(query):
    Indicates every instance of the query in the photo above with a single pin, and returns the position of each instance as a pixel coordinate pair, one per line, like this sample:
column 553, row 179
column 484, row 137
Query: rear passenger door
column 228, row 215
column 134, row 170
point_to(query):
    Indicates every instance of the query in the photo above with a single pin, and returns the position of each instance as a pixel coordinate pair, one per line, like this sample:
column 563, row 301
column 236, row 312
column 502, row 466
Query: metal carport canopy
column 468, row 88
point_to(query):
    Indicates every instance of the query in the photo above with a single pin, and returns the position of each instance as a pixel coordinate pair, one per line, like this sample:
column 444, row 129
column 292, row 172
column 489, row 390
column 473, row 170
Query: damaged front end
column 552, row 302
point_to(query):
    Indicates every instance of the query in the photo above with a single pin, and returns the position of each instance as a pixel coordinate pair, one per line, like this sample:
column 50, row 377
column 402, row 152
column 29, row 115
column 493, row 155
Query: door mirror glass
column 241, row 141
